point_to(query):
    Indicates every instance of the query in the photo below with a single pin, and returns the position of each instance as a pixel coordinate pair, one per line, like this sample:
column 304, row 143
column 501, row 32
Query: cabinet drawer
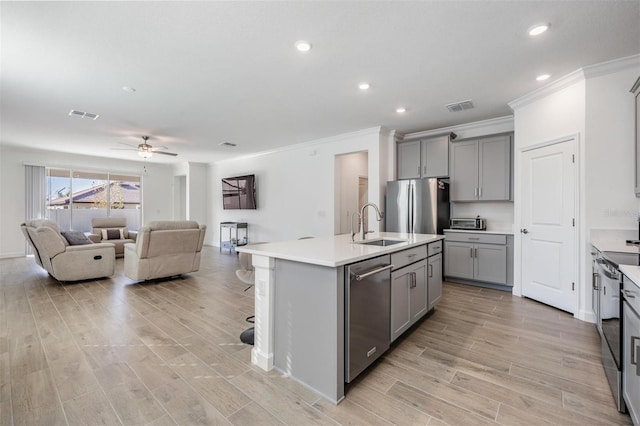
column 476, row 237
column 434, row 248
column 405, row 257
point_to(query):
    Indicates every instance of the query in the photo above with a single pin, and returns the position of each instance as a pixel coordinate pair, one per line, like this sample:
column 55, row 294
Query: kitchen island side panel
column 309, row 325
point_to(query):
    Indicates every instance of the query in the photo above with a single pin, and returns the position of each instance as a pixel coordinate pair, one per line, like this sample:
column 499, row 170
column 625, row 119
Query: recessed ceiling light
column 303, row 45
column 538, row 29
column 401, row 110
column 129, row 89
column 364, row 86
column 543, row 77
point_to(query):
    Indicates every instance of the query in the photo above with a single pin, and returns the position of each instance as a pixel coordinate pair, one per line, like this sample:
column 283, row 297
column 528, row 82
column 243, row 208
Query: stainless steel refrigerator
column 418, row 206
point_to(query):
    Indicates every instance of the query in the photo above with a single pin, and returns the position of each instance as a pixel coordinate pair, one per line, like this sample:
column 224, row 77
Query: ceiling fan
column 146, row 150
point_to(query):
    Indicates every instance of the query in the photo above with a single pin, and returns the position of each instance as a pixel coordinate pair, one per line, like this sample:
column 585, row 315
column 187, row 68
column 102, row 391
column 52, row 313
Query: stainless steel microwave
column 477, row 223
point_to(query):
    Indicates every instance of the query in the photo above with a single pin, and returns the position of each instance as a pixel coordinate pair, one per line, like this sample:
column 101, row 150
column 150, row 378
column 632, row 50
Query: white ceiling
column 212, row 72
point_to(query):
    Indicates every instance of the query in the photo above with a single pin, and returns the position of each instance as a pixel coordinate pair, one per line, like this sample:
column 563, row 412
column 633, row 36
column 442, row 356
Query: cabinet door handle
column 475, row 192
column 594, row 281
column 480, row 192
column 604, row 289
column 430, row 271
column 470, row 251
column 418, row 170
column 628, row 294
column 475, row 252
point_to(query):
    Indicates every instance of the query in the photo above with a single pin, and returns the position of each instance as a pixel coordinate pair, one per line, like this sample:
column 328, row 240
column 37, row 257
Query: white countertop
column 498, row 232
column 336, row 250
column 631, row 272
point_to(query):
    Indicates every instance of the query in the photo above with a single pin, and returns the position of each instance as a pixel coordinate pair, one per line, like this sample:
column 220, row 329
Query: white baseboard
column 11, row 255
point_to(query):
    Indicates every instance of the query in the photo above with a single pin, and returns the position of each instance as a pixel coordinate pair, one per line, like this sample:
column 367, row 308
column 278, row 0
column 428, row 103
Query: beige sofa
column 63, row 261
column 164, row 249
column 100, row 224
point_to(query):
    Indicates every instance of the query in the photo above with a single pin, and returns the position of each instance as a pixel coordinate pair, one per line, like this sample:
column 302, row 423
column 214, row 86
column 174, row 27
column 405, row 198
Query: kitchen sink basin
column 382, row 243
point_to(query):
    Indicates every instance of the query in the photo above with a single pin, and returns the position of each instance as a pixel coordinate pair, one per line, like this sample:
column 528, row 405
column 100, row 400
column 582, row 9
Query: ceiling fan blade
column 156, row 148
column 165, row 153
column 128, row 144
column 124, row 149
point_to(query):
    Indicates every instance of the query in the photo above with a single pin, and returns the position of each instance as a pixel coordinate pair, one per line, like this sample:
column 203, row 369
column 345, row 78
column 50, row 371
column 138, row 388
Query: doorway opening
column 351, row 189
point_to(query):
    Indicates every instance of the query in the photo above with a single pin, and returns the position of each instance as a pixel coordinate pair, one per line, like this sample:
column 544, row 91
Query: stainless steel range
column 607, row 305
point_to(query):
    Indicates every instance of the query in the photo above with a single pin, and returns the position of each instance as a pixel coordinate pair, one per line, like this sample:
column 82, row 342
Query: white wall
column 296, row 186
column 198, row 192
column 596, row 106
column 610, row 201
column 157, row 202
column 498, row 214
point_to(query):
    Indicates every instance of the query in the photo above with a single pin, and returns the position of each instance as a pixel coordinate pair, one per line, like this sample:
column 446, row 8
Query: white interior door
column 548, row 224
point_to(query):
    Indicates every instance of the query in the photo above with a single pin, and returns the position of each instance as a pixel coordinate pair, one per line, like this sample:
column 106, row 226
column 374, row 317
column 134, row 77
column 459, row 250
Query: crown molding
column 581, row 74
column 476, row 125
column 610, row 67
column 562, row 83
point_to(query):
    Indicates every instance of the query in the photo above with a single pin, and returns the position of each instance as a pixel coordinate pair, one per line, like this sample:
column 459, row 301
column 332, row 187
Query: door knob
column 524, row 231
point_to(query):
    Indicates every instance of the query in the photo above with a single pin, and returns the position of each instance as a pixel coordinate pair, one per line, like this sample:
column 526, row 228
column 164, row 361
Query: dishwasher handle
column 360, row 277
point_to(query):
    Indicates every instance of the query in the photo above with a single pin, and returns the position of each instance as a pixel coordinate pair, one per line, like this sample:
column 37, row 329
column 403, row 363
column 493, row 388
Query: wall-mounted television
column 239, row 192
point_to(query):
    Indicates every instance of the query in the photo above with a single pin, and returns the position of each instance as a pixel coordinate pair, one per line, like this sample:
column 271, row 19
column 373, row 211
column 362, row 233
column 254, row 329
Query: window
column 74, row 198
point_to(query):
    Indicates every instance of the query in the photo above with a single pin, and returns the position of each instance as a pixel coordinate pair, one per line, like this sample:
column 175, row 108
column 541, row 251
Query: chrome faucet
column 379, row 217
column 353, row 234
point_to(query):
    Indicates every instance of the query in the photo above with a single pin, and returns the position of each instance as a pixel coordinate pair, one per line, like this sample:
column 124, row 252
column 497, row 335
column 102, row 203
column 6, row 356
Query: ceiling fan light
column 145, row 154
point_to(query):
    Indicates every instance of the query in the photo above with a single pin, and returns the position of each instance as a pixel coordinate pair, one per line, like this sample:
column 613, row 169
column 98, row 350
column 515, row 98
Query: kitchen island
column 300, row 303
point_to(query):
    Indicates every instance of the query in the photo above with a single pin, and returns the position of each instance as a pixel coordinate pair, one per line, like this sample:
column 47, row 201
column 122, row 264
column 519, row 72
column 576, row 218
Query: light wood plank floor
column 114, row 352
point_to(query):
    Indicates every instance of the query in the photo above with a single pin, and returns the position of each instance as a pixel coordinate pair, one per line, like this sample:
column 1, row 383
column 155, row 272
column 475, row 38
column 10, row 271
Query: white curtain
column 35, row 195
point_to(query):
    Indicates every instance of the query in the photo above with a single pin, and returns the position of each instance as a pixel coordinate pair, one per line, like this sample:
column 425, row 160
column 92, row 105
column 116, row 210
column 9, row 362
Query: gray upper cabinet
column 481, row 169
column 464, row 171
column 408, row 154
column 636, row 93
column 423, row 158
column 435, row 157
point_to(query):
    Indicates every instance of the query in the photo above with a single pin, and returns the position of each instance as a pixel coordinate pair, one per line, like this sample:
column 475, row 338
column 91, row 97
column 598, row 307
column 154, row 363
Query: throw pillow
column 112, row 234
column 76, row 238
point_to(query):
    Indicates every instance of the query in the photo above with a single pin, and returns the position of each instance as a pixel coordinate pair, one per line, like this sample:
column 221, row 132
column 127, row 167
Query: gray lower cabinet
column 631, row 351
column 408, row 296
column 434, row 280
column 478, row 257
column 423, row 158
column 416, row 285
column 480, row 169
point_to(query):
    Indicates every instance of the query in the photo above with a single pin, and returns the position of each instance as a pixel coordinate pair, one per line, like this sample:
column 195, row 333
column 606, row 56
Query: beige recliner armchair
column 66, row 262
column 164, row 249
column 112, row 230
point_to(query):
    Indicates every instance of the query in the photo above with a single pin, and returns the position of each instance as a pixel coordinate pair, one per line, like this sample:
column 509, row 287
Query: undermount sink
column 382, row 243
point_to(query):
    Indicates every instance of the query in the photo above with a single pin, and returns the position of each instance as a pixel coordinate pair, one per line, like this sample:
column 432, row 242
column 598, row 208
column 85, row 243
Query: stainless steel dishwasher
column 368, row 305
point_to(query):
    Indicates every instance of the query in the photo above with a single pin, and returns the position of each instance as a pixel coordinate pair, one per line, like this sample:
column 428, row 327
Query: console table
column 233, row 234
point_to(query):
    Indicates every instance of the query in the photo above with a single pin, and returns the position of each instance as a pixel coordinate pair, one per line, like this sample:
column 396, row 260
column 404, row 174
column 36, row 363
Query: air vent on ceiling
column 459, row 106
column 227, row 144
column 83, row 114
